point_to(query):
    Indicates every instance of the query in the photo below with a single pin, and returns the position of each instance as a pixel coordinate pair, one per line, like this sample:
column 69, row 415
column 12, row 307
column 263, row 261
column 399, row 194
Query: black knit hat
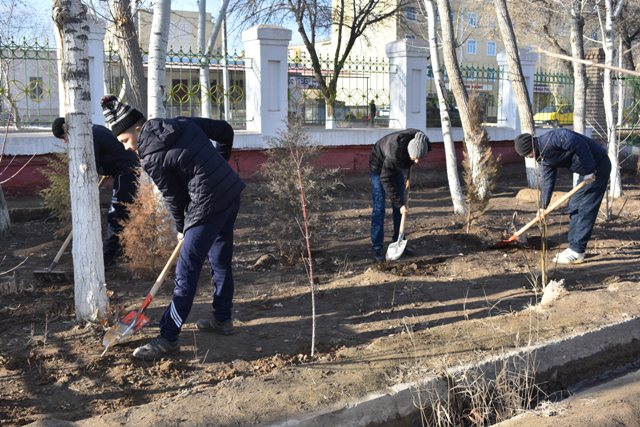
column 524, row 144
column 118, row 115
column 57, row 127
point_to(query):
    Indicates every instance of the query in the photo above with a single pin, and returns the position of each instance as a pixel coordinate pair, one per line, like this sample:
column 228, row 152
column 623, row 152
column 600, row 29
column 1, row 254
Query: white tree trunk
column 5, row 221
column 455, row 186
column 612, row 11
column 159, row 38
column 91, row 301
column 579, row 70
column 517, row 78
column 205, row 86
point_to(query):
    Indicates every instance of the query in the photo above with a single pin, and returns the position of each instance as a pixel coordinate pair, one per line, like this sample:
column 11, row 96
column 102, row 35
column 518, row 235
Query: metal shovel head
column 395, row 250
column 127, row 326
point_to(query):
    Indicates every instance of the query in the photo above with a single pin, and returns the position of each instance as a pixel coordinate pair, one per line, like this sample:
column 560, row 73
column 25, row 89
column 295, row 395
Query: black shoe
column 215, row 326
column 157, row 348
column 378, row 255
column 408, row 252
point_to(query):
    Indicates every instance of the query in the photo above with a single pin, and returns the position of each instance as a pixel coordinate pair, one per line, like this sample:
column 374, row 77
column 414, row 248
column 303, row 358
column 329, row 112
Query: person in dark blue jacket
column 202, row 193
column 122, row 165
column 563, row 148
column 390, row 157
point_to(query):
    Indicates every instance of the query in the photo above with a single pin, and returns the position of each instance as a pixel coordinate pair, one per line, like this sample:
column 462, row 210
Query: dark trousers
column 124, row 191
column 584, row 207
column 213, row 240
column 378, row 196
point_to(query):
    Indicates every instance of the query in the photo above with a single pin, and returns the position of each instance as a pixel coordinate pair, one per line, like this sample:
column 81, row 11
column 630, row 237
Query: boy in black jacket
column 390, row 156
column 122, row 165
column 202, row 193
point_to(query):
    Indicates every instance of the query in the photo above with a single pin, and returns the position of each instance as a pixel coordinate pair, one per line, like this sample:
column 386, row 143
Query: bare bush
column 57, row 198
column 149, row 235
column 283, row 186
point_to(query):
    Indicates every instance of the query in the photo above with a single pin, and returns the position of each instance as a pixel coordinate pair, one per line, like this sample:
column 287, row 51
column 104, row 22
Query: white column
column 266, row 78
column 95, row 48
column 408, row 83
column 508, row 109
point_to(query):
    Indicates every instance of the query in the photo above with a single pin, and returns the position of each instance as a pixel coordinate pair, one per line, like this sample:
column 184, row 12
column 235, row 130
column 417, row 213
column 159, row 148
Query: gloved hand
column 403, row 210
column 589, row 178
column 540, row 214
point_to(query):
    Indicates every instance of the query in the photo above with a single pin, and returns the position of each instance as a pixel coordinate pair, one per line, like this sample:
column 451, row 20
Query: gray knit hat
column 524, row 144
column 118, row 115
column 419, row 145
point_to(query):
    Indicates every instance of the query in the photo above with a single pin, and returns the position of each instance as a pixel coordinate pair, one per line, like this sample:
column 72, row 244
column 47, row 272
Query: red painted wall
column 351, row 159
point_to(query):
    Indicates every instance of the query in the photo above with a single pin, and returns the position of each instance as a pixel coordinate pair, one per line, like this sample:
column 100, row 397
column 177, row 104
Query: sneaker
column 215, row 326
column 569, row 256
column 378, row 255
column 158, row 347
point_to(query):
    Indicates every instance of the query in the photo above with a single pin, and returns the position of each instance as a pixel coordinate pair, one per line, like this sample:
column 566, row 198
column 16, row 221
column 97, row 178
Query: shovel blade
column 395, row 250
column 127, row 326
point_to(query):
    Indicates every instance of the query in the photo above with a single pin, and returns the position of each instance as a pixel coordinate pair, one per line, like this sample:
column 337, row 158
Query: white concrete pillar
column 95, row 48
column 266, row 78
column 508, row 115
column 408, row 83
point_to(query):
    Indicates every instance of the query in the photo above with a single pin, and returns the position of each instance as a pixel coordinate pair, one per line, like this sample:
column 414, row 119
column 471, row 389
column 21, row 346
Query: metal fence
column 361, row 97
column 184, row 90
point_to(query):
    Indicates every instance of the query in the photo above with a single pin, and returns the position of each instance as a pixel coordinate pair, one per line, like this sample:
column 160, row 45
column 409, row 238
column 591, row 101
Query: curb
column 559, row 363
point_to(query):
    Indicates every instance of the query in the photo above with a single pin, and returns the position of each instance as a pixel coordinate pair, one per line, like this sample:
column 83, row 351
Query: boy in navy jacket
column 563, row 148
column 122, row 165
column 202, row 193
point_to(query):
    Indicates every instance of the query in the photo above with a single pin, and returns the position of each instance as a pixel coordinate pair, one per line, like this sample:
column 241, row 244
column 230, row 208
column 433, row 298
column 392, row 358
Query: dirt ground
column 374, row 321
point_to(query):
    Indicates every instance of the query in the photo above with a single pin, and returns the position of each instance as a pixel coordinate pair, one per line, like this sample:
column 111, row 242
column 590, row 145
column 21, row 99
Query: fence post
column 266, row 78
column 508, row 109
column 95, row 47
column 408, row 84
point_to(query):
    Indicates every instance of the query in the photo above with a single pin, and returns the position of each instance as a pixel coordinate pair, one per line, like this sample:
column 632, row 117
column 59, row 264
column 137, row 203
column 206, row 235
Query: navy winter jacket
column 111, row 156
column 389, row 157
column 193, row 175
column 563, row 148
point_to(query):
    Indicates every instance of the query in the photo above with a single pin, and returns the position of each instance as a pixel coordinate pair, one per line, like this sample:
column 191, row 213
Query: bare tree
column 158, row 41
column 348, row 21
column 91, row 301
column 455, row 187
column 130, row 54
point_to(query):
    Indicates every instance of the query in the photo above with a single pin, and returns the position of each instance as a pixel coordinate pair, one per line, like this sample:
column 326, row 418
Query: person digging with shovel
column 390, row 157
column 123, row 166
column 202, row 193
column 563, row 148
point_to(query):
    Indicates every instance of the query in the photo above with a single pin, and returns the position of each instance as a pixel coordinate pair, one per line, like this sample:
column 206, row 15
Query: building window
column 473, row 19
column 491, row 48
column 35, row 88
column 410, row 13
column 471, row 47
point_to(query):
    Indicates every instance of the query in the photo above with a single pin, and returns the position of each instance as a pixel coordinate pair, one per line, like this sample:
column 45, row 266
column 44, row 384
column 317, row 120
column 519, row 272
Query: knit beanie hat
column 57, row 127
column 118, row 115
column 524, row 144
column 419, row 145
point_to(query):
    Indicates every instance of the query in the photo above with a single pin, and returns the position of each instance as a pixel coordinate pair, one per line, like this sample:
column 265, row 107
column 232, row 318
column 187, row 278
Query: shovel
column 49, row 275
column 534, row 221
column 395, row 249
column 136, row 319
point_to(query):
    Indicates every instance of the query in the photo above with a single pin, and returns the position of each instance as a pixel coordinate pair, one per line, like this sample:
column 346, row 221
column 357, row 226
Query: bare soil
column 456, row 299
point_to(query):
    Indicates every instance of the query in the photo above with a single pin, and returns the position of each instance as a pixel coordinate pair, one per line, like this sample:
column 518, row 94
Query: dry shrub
column 488, row 167
column 57, row 198
column 283, row 201
column 149, row 235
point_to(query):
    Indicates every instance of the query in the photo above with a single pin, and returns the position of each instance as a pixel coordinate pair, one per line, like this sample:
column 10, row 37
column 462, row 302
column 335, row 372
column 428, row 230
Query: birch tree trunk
column 579, row 70
column 130, row 54
column 455, row 186
column 205, row 85
column 517, row 80
column 612, row 11
column 474, row 151
column 91, row 302
column 159, row 38
column 5, row 221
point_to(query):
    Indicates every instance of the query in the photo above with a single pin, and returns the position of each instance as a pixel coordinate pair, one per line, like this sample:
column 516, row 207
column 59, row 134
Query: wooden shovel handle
column 549, row 209
column 407, row 185
column 165, row 270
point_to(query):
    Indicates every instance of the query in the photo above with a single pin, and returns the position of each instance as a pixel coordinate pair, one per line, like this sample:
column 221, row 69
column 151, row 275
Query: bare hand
column 541, row 213
column 403, row 210
column 180, row 236
column 589, row 178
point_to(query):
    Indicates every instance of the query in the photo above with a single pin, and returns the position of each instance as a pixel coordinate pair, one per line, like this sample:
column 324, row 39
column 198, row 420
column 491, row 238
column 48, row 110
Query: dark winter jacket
column 193, row 175
column 111, row 156
column 563, row 148
column 390, row 157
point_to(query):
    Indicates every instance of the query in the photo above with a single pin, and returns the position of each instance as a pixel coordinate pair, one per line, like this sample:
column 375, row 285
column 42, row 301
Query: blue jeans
column 213, row 240
column 378, row 196
column 584, row 207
